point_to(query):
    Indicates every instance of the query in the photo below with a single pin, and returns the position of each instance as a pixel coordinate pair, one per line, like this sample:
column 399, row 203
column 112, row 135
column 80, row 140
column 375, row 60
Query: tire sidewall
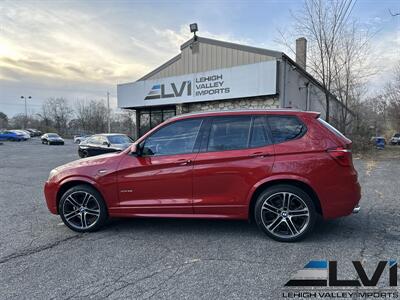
column 291, row 189
column 103, row 208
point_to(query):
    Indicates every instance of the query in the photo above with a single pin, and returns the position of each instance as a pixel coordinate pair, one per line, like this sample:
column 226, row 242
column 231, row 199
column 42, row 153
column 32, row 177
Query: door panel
column 160, row 179
column 222, row 180
column 156, row 184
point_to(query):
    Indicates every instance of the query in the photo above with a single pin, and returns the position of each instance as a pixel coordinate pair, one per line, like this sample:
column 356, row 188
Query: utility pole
column 26, row 110
column 108, row 113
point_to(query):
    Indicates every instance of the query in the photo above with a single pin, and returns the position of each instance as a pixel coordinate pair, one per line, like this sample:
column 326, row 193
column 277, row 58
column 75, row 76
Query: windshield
column 119, row 139
column 53, row 135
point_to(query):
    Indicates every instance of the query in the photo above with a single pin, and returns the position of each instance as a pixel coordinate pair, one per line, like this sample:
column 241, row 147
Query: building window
column 150, row 118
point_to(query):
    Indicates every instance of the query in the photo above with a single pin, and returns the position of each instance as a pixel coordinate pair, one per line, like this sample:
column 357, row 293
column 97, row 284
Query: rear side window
column 285, row 128
column 229, row 133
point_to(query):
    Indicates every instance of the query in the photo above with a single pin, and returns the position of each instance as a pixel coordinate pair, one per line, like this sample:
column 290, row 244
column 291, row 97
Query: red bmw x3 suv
column 280, row 168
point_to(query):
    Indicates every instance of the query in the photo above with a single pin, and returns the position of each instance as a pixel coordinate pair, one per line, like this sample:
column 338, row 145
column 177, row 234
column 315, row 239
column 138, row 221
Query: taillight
column 342, row 155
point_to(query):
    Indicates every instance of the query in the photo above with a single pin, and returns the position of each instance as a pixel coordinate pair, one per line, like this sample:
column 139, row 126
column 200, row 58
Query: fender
column 275, row 178
column 106, row 185
column 78, row 178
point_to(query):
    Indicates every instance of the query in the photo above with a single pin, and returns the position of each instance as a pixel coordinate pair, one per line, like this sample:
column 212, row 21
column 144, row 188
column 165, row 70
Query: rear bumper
column 341, row 199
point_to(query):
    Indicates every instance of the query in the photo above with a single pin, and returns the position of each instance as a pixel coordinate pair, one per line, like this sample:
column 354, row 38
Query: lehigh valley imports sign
column 236, row 82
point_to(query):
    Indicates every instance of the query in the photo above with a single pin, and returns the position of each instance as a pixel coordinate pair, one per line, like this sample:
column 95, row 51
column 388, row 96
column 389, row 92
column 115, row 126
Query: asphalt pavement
column 40, row 258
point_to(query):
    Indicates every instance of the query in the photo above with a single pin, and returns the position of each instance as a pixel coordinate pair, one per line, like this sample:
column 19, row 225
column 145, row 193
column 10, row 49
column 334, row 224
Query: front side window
column 259, row 136
column 175, row 138
column 229, row 133
column 285, row 128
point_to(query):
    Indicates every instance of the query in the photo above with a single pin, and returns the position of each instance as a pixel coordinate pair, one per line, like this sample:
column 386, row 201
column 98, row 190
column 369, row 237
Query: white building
column 214, row 75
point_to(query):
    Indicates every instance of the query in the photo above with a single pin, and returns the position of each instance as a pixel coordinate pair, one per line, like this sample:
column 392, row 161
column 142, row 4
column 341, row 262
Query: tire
column 82, row 154
column 282, row 222
column 82, row 209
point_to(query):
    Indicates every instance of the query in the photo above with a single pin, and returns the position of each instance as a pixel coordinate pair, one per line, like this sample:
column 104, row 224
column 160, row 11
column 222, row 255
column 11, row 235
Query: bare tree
column 392, row 94
column 350, row 72
column 3, row 120
column 92, row 116
column 59, row 112
column 123, row 122
column 323, row 24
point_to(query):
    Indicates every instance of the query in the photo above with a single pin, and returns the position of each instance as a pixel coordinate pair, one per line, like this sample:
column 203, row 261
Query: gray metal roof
column 235, row 46
column 163, row 66
column 202, row 40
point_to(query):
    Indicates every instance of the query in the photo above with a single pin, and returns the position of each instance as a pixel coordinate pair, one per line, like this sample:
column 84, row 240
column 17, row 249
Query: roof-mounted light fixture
column 194, row 28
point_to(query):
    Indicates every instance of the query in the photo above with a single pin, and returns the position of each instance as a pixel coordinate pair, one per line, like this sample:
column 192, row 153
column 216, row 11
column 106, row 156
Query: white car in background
column 395, row 140
column 80, row 138
column 25, row 135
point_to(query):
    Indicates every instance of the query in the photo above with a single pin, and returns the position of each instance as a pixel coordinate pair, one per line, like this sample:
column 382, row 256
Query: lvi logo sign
column 320, row 273
column 158, row 91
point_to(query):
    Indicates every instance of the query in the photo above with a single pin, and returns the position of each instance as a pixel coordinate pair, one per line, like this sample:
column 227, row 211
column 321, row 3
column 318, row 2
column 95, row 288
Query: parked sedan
column 104, row 143
column 52, row 139
column 8, row 135
column 26, row 135
column 80, row 138
column 34, row 132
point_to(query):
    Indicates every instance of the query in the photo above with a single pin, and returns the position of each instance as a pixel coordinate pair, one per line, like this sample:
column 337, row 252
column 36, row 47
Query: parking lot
column 163, row 258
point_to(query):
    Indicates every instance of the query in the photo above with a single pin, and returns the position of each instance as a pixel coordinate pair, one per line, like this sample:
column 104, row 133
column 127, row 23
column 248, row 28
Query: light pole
column 26, row 109
column 108, row 113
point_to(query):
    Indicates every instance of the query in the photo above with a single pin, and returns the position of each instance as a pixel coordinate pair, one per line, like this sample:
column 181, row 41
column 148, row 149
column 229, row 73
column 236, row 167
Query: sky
column 79, row 50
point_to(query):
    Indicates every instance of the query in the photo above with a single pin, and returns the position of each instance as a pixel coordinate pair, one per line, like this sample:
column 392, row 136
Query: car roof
column 247, row 112
column 109, row 134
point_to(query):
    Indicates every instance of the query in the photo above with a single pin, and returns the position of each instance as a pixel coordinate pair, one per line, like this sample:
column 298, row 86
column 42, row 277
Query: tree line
column 85, row 117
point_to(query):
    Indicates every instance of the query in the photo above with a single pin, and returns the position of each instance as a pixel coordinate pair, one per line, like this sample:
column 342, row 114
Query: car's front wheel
column 83, row 153
column 83, row 209
column 285, row 213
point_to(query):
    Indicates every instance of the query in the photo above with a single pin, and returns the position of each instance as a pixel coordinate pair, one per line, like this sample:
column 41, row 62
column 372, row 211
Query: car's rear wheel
column 83, row 209
column 285, row 213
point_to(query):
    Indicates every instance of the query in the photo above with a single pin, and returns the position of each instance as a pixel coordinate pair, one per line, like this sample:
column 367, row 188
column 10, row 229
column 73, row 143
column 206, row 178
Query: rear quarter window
column 331, row 128
column 285, row 128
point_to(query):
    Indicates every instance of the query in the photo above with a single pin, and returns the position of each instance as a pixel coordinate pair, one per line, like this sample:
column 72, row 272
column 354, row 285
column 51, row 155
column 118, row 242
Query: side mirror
column 106, row 144
column 135, row 149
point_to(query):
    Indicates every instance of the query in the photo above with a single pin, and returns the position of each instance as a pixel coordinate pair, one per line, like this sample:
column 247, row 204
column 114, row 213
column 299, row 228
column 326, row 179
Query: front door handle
column 184, row 162
column 260, row 154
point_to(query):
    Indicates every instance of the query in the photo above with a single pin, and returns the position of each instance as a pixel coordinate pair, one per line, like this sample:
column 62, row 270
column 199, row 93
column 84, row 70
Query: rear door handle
column 183, row 162
column 260, row 154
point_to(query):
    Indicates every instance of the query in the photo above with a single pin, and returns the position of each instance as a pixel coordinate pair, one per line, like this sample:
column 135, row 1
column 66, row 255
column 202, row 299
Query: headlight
column 52, row 173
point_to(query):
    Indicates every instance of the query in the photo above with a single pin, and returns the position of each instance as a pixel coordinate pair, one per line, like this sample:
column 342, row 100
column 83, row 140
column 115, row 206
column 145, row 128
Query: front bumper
column 50, row 193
